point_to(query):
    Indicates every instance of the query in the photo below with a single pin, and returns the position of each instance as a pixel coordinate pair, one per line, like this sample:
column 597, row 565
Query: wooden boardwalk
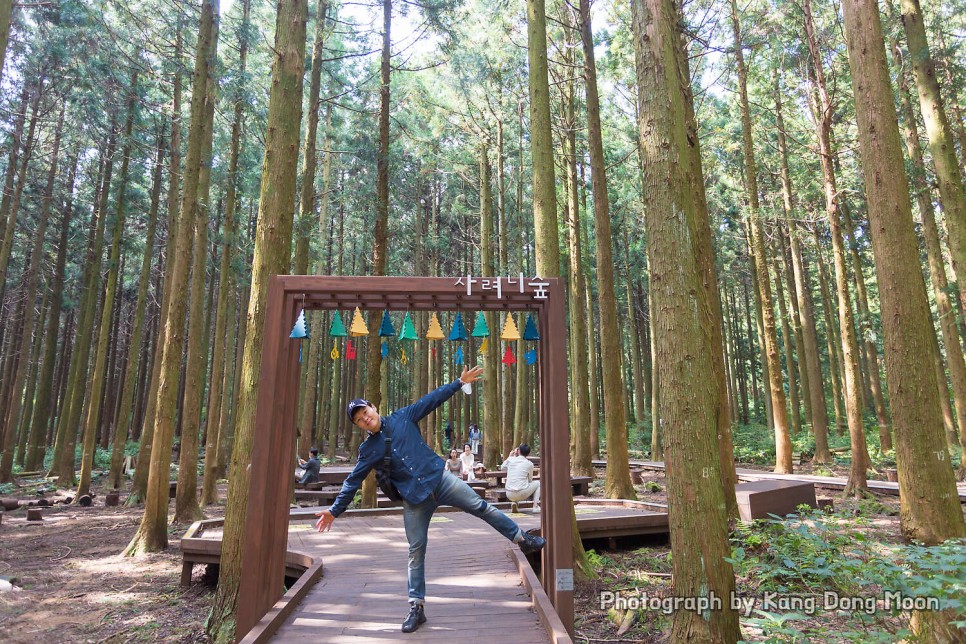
column 473, row 583
column 827, row 482
column 473, row 587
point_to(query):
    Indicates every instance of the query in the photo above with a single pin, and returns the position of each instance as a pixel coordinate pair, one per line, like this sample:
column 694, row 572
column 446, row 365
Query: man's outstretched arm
column 421, row 408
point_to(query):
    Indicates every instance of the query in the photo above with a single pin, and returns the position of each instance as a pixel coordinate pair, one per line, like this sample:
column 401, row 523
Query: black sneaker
column 532, row 543
column 416, row 617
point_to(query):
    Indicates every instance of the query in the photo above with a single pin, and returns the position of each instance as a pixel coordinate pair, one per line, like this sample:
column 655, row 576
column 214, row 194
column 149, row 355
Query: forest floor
column 72, row 585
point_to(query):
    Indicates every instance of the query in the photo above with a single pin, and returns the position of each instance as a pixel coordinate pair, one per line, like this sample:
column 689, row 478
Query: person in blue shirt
column 420, row 475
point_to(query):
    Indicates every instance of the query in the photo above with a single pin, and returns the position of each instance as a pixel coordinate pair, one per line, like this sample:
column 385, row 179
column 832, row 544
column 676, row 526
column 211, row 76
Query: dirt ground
column 72, row 585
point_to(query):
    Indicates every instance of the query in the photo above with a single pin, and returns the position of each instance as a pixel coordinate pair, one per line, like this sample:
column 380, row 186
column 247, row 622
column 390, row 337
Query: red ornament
column 508, row 357
column 350, row 351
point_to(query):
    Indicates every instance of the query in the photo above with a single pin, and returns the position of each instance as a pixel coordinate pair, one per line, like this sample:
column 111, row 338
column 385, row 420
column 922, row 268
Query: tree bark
column 853, row 381
column 124, row 417
column 617, row 484
column 273, row 252
column 152, row 534
column 99, row 374
column 929, row 504
column 689, row 390
column 952, row 194
column 9, row 424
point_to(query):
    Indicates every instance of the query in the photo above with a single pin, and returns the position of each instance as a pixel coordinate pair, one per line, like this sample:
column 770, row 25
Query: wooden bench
column 581, row 485
column 759, row 499
column 322, row 495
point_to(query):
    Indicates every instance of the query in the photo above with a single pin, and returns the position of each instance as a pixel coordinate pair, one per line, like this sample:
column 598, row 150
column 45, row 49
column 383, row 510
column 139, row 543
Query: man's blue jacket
column 416, row 468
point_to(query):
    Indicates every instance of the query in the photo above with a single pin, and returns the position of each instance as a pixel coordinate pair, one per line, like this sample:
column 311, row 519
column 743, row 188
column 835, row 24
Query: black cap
column 358, row 403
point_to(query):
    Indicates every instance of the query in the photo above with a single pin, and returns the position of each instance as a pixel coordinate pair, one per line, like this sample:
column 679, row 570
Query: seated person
column 453, row 463
column 467, row 459
column 311, row 466
column 520, row 485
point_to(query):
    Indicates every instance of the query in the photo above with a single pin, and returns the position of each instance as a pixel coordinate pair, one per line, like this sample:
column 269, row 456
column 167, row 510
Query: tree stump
column 892, row 476
column 10, row 504
column 35, row 514
column 112, row 499
column 637, row 477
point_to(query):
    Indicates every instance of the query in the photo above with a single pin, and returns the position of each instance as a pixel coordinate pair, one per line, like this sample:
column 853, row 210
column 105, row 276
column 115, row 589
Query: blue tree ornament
column 299, row 331
column 459, row 355
column 530, row 356
column 530, row 332
column 386, row 329
column 385, row 349
column 458, row 332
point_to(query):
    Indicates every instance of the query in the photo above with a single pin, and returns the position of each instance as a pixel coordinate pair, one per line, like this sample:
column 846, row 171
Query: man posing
column 422, row 480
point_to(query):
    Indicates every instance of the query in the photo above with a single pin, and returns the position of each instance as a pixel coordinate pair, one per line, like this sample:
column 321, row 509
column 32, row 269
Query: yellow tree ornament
column 435, row 331
column 358, row 327
column 510, row 331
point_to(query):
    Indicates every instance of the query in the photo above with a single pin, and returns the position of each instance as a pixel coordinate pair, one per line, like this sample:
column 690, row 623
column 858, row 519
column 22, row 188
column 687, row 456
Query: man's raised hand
column 470, row 374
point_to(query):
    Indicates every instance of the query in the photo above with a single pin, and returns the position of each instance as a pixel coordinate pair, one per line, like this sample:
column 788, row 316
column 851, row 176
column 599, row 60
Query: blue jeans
column 416, row 516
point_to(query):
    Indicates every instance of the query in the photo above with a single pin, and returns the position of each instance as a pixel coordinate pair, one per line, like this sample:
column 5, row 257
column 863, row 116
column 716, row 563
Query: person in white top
column 467, row 459
column 520, row 485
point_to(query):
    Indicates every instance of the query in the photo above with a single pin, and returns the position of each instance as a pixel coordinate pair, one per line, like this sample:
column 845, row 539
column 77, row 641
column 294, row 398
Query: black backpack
column 384, row 471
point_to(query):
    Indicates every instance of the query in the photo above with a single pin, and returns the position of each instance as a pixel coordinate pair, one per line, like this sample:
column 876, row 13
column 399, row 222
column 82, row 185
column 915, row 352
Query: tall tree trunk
column 152, row 534
column 6, row 11
column 689, row 388
column 546, row 235
column 790, row 367
column 580, row 431
column 816, row 400
column 140, row 483
column 36, row 443
column 929, row 504
column 187, row 508
column 70, row 415
column 99, row 374
column 273, row 252
column 832, row 346
column 10, row 210
column 865, row 329
column 937, row 269
column 949, row 175
column 657, row 424
column 618, row 482
column 124, row 417
column 220, row 379
column 492, row 445
column 9, row 424
column 850, row 351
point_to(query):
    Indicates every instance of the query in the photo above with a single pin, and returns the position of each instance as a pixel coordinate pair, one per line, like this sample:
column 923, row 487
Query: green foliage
column 812, row 554
column 598, row 561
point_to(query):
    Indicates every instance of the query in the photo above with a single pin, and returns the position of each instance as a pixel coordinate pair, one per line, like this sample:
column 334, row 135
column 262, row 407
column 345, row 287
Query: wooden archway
column 271, row 482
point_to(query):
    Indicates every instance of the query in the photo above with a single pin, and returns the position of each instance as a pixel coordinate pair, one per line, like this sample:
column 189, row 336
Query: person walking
column 421, row 478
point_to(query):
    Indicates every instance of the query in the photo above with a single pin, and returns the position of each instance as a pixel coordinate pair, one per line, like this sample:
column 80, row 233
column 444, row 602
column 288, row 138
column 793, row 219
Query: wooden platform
column 824, row 482
column 473, row 575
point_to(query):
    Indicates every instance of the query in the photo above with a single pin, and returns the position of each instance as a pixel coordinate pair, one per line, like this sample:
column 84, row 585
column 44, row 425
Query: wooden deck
column 473, row 581
column 825, row 482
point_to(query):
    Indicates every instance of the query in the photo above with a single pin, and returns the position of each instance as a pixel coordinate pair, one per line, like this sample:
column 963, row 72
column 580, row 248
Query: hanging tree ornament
column 403, row 358
column 299, row 331
column 337, row 328
column 334, row 354
column 408, row 331
column 358, row 327
column 508, row 357
column 458, row 358
column 510, row 331
column 486, row 343
column 435, row 331
column 530, row 356
column 386, row 330
column 458, row 332
column 384, row 351
column 530, row 331
column 350, row 351
column 480, row 329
